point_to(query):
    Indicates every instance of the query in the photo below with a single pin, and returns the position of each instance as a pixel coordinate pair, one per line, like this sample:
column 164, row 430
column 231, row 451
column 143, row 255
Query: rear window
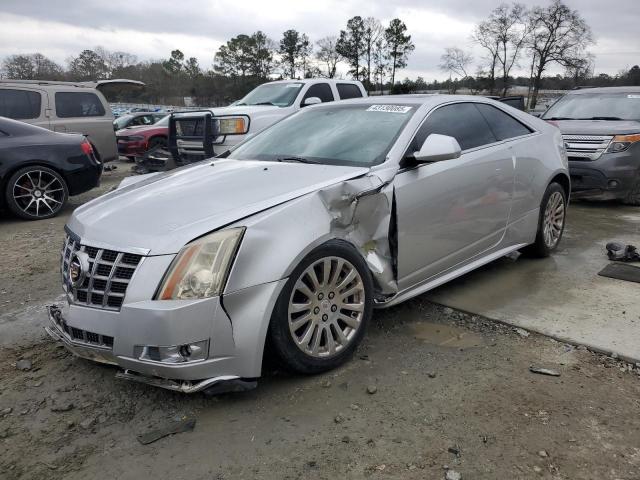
column 348, row 90
column 20, row 104
column 78, row 104
column 504, row 126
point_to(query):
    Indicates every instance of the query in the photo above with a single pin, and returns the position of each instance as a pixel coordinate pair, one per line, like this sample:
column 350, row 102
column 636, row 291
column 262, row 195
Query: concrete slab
column 563, row 296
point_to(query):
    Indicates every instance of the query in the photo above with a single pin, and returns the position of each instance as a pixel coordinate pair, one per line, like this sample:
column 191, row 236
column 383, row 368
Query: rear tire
column 323, row 310
column 633, row 197
column 36, row 192
column 551, row 222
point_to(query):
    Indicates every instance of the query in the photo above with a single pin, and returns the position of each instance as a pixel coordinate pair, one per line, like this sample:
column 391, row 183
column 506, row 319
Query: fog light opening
column 188, row 352
column 613, row 184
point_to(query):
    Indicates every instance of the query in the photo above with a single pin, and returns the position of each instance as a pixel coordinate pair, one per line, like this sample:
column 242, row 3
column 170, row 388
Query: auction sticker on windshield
column 388, row 108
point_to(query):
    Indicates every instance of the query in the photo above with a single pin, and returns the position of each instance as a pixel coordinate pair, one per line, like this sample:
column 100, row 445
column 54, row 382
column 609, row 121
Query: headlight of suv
column 621, row 142
column 233, row 125
column 200, row 269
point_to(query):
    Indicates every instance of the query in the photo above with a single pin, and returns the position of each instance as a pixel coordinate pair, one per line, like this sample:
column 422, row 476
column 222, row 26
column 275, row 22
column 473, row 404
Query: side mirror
column 438, row 147
column 311, row 101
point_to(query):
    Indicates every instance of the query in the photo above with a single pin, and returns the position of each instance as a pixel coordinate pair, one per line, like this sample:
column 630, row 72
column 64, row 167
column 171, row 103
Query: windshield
column 122, row 121
column 163, row 122
column 359, row 135
column 596, row 106
column 278, row 94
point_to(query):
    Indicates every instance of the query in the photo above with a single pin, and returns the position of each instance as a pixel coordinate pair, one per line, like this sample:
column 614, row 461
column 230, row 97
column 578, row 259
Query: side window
column 147, row 119
column 20, row 104
column 462, row 121
column 78, row 104
column 503, row 125
column 320, row 90
column 348, row 90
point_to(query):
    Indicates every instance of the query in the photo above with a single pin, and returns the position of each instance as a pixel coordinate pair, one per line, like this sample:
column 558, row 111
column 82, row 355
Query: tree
column 380, row 58
column 399, row 46
column 580, row 69
column 88, row 66
column 234, row 58
column 261, row 50
column 174, row 64
column 351, row 44
column 192, row 68
column 484, row 35
column 328, row 55
column 558, row 35
column 456, row 61
column 295, row 49
column 372, row 32
column 19, row 67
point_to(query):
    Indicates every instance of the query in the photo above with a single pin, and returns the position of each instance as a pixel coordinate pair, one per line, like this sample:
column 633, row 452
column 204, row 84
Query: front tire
column 36, row 192
column 553, row 211
column 323, row 310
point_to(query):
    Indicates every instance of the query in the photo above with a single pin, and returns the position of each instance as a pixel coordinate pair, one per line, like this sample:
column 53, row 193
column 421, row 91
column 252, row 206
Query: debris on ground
column 62, row 407
column 522, row 332
column 24, row 364
column 371, row 389
column 544, row 371
column 186, row 425
column 452, row 475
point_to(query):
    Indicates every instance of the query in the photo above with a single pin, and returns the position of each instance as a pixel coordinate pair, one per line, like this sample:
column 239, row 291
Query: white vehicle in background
column 206, row 133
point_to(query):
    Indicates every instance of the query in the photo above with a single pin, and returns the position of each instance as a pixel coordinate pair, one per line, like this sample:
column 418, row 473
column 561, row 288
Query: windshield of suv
column 596, row 106
column 358, row 135
column 278, row 94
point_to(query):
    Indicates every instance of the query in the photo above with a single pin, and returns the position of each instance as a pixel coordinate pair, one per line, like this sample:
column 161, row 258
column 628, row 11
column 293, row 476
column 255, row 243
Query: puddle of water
column 446, row 335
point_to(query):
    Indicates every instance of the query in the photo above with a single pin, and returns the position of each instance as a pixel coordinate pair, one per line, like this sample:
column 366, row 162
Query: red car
column 135, row 141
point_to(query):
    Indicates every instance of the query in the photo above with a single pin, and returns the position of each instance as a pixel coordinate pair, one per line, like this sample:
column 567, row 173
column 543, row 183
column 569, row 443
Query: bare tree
column 380, row 58
column 455, row 60
column 373, row 30
column 484, row 36
column 328, row 55
column 558, row 35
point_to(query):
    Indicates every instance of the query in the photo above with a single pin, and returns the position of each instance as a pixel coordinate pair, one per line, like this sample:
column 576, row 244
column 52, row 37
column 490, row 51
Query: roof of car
column 587, row 90
column 315, row 80
column 418, row 99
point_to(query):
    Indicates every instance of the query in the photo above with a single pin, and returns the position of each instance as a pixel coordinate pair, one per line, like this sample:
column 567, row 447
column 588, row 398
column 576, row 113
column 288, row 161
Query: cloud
column 151, row 30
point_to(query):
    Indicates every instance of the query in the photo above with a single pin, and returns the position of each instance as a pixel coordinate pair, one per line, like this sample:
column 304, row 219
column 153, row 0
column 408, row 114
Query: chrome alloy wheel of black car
column 39, row 193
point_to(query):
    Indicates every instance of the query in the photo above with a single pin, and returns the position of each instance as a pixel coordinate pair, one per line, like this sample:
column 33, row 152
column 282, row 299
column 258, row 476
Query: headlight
column 621, row 142
column 200, row 269
column 233, row 125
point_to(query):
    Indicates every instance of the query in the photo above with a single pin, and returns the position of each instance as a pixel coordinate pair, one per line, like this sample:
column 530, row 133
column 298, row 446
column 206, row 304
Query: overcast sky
column 151, row 29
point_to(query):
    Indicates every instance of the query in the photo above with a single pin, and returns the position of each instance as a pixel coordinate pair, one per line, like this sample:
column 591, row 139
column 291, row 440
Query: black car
column 39, row 168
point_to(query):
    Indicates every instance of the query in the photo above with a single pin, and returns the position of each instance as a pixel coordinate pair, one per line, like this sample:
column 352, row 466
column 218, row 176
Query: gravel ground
column 432, row 393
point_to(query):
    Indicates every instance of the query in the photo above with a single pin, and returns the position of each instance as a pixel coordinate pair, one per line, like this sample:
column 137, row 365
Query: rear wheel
column 323, row 310
column 633, row 197
column 36, row 192
column 553, row 210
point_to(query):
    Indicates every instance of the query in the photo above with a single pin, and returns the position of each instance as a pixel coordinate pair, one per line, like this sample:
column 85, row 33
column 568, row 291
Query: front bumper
column 609, row 177
column 132, row 148
column 114, row 337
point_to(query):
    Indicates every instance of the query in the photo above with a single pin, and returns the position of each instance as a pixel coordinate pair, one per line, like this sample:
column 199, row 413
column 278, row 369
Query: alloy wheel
column 326, row 307
column 38, row 193
column 554, row 214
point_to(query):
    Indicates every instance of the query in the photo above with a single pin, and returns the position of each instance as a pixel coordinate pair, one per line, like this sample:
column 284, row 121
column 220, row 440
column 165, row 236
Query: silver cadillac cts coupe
column 289, row 241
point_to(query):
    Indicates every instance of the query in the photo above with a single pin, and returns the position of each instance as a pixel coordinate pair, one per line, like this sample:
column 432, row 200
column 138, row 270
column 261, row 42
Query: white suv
column 190, row 135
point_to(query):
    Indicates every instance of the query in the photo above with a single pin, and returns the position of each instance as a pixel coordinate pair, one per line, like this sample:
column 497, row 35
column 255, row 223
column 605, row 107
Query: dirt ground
column 432, row 393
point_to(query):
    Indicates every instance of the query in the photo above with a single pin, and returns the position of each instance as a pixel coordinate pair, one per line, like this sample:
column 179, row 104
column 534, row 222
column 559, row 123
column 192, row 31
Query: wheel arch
column 564, row 181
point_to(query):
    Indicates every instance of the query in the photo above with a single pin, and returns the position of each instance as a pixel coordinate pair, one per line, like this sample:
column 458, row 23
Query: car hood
column 597, row 127
column 138, row 129
column 165, row 211
column 250, row 110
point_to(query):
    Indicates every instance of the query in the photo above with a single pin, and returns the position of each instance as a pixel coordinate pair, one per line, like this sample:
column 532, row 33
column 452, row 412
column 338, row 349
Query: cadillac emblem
column 78, row 268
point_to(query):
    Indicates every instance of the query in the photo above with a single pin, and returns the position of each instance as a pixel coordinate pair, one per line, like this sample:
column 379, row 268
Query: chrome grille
column 586, row 147
column 107, row 279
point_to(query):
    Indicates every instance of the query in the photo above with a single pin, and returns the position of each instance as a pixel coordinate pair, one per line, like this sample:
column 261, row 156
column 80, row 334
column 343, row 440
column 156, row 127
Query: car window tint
column 320, row 90
column 78, row 104
column 20, row 104
column 461, row 121
column 348, row 90
column 503, row 125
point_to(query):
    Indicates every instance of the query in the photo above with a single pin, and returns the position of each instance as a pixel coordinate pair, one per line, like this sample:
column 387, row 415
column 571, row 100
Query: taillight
column 86, row 148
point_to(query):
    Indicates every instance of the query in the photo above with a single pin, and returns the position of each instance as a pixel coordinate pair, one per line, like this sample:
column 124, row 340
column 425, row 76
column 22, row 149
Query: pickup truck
column 195, row 135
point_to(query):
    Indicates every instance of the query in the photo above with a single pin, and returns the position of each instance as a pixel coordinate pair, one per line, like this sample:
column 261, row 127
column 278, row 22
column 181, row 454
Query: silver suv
column 64, row 107
column 601, row 130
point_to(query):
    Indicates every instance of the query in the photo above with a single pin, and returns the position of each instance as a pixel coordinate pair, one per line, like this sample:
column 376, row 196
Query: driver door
column 452, row 210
